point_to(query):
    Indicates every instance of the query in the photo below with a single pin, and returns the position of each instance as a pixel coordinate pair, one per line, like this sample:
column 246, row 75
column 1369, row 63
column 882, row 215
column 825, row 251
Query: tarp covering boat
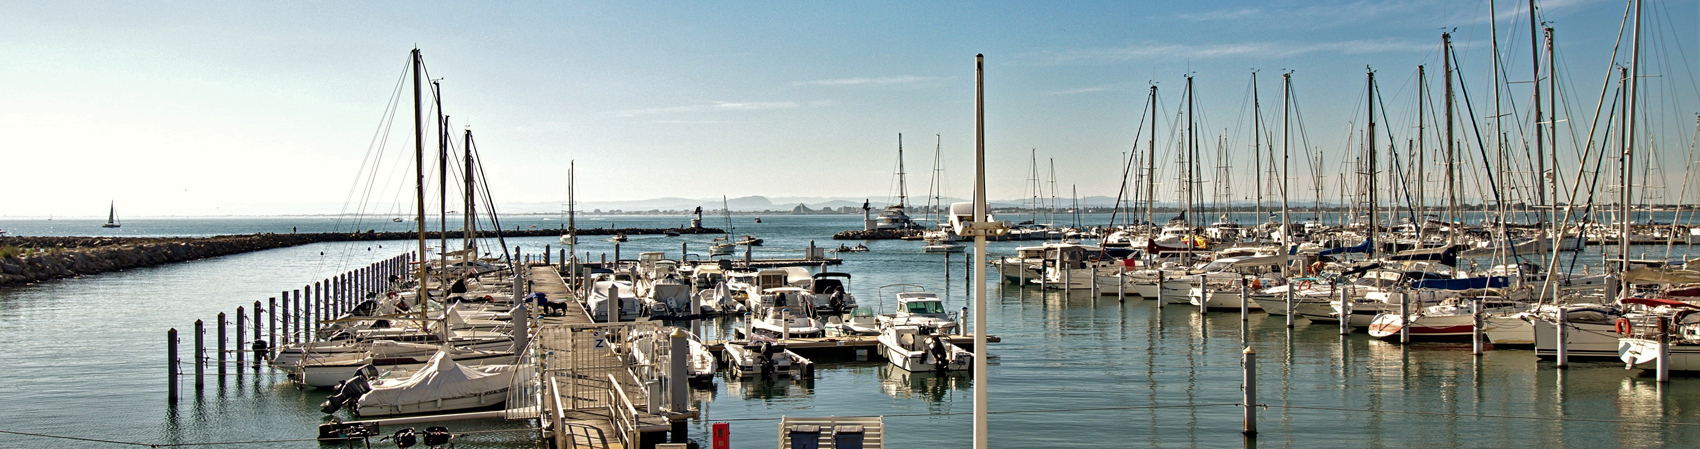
column 1655, row 302
column 1463, row 284
column 440, row 378
column 1447, row 255
column 1644, row 275
column 1358, row 248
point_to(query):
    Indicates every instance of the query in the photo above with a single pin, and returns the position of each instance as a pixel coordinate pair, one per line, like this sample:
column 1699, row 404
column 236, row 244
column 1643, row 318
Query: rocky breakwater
column 33, row 259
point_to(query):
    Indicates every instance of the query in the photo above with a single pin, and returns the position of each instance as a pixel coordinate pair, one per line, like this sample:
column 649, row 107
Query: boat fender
column 1624, row 327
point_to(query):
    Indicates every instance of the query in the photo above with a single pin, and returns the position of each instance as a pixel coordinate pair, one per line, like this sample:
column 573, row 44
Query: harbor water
column 85, row 357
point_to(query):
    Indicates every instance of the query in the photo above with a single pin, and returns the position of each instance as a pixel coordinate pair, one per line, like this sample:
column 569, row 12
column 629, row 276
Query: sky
column 259, row 108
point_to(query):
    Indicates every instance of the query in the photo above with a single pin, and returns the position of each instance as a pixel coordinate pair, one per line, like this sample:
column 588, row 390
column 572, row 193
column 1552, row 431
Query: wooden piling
column 241, row 347
column 200, row 354
column 546, row 254
column 271, row 332
column 171, row 365
column 221, row 345
column 297, row 321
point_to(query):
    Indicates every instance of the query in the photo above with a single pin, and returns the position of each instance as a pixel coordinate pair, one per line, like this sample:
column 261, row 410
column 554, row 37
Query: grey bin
column 805, row 436
column 847, row 436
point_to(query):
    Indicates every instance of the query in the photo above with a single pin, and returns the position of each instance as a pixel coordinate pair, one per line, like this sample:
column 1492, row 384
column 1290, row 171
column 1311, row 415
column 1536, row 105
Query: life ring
column 1624, row 327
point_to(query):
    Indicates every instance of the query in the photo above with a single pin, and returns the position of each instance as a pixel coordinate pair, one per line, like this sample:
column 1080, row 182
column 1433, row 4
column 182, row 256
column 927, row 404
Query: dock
column 590, row 397
column 843, row 345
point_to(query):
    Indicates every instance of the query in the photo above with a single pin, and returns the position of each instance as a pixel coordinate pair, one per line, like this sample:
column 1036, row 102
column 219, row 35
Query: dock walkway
column 587, row 389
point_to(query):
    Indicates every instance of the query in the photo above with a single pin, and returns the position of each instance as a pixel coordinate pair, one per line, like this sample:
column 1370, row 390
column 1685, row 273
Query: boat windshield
column 926, row 307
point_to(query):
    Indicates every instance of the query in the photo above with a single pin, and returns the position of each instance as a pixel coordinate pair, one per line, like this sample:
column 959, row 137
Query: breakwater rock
column 33, row 259
column 877, row 234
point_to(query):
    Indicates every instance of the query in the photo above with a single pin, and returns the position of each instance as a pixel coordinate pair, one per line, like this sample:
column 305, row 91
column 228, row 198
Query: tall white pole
column 980, row 209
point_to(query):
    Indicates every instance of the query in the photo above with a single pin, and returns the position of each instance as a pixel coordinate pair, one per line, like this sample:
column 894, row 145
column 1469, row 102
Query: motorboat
column 323, row 372
column 647, row 350
column 829, row 292
column 919, row 308
column 628, row 307
column 442, row 385
column 760, row 356
column 922, row 348
column 860, row 321
column 785, row 312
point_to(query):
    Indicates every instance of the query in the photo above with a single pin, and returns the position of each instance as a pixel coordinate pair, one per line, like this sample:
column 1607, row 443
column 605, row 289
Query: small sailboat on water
column 112, row 216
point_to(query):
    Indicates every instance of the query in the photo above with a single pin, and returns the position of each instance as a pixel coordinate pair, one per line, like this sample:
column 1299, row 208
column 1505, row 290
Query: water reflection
column 933, row 387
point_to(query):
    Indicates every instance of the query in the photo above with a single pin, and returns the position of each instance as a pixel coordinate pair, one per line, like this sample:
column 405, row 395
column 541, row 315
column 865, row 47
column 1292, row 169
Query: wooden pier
column 591, row 398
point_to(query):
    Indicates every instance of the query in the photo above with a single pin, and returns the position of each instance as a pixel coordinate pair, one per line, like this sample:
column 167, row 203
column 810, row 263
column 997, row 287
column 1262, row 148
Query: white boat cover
column 441, row 378
column 1643, row 275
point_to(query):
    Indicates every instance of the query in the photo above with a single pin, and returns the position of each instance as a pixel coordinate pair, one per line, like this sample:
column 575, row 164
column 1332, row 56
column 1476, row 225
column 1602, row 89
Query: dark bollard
column 221, row 347
column 240, row 342
column 200, row 354
column 171, row 365
column 271, row 329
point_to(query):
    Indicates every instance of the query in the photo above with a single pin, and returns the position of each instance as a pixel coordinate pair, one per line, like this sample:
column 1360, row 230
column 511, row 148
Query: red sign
column 722, row 435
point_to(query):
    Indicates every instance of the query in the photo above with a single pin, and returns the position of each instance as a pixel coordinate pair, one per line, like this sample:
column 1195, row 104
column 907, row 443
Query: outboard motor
column 403, row 438
column 437, row 436
column 348, row 391
column 262, row 350
column 941, row 360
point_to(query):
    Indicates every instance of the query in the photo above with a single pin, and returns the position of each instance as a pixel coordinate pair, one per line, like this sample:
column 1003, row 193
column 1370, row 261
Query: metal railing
column 621, row 413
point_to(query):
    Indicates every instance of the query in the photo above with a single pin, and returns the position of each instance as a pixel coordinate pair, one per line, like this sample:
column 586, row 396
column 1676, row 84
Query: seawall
column 34, row 259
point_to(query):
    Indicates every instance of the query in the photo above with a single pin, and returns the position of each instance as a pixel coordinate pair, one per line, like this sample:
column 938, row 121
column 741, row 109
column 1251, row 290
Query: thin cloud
column 1223, row 14
column 1156, row 50
column 1082, row 90
column 880, row 81
column 719, row 106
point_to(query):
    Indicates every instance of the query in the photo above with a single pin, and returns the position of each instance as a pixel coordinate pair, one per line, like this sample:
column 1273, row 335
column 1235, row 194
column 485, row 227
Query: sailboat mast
column 572, row 207
column 1257, row 147
column 1451, row 150
column 902, row 187
column 1286, row 129
column 1151, row 162
column 1540, row 142
column 1552, row 125
column 419, row 175
column 442, row 178
column 1422, row 156
column 1370, row 149
column 1630, row 105
column 1191, row 155
column 470, row 216
column 1051, row 212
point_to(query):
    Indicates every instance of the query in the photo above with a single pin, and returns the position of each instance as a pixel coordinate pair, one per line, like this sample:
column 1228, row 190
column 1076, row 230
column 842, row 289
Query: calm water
column 85, row 357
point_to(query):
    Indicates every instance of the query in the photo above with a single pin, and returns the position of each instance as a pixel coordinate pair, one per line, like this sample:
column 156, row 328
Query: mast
column 1151, row 162
column 572, row 207
column 1257, row 146
column 469, row 217
column 1633, row 78
column 419, row 180
column 1451, row 150
column 1286, row 111
column 902, row 187
column 1374, row 249
column 112, row 212
column 1189, row 160
column 1540, row 142
column 442, row 177
column 1552, row 124
column 1422, row 195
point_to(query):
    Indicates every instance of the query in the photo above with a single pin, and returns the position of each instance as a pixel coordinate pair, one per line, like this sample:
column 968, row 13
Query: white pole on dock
column 678, row 353
column 200, row 354
column 241, row 345
column 785, row 322
column 980, row 230
column 221, row 344
column 1289, row 304
column 171, row 365
column 1404, row 317
column 684, row 249
column 1476, row 326
column 1121, row 282
column 1562, row 359
column 1245, row 300
column 1345, row 313
column 1248, row 361
column 1662, row 363
column 1162, row 278
column 1021, row 269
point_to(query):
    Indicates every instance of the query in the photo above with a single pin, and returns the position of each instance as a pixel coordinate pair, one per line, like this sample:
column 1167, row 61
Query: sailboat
column 112, row 217
column 723, row 246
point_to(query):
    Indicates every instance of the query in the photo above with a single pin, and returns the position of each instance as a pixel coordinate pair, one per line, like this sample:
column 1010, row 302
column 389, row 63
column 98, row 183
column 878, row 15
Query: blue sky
column 209, row 108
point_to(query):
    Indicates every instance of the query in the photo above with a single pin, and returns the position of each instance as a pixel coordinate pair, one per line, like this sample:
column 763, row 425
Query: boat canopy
column 440, row 378
column 1645, row 275
column 1655, row 302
